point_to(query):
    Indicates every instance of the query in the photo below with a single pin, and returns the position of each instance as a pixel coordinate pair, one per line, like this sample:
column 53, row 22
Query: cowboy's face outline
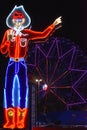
column 18, row 22
column 18, row 19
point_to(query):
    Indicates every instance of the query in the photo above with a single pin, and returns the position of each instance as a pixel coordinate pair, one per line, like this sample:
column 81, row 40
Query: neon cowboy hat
column 18, row 13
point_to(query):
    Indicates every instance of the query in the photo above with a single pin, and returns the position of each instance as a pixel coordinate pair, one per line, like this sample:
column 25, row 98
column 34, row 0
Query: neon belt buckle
column 16, row 59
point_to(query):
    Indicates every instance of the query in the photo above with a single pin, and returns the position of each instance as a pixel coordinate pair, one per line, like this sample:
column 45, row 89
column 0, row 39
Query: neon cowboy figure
column 15, row 44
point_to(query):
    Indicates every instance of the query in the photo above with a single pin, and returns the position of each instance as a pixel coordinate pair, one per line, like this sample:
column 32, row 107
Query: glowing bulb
column 45, row 87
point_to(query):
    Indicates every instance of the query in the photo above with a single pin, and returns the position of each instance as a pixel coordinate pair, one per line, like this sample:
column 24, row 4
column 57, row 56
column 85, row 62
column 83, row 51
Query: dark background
column 43, row 13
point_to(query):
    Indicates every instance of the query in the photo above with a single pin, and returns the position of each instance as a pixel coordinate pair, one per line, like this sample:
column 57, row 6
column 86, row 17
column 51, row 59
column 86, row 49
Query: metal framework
column 63, row 67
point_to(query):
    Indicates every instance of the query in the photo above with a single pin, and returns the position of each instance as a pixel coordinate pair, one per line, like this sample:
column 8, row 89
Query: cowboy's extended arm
column 36, row 35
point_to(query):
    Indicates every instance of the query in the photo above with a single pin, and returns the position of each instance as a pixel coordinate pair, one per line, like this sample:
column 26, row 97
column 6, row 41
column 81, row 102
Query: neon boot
column 9, row 114
column 21, row 117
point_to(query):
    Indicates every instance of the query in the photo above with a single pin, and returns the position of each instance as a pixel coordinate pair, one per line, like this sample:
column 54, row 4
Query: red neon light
column 17, row 47
column 10, row 118
column 21, row 117
column 15, row 118
column 17, row 15
column 15, row 44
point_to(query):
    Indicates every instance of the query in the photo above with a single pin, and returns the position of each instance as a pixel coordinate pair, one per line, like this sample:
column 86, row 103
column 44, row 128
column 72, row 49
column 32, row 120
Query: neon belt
column 16, row 59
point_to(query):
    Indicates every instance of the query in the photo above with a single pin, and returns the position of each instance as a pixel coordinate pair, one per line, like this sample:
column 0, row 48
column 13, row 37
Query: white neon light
column 27, row 91
column 18, row 91
column 20, row 8
column 5, row 101
column 26, row 99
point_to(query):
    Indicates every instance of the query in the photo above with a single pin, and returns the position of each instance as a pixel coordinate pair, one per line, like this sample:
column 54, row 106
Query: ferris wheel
column 62, row 68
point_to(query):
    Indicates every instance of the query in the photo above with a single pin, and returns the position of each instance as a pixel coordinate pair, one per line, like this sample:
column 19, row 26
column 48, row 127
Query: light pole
column 38, row 81
column 37, row 88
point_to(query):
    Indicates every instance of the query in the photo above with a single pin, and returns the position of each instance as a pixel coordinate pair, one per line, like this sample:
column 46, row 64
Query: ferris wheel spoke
column 58, row 97
column 47, row 70
column 62, row 75
column 61, row 87
column 40, row 74
column 53, row 73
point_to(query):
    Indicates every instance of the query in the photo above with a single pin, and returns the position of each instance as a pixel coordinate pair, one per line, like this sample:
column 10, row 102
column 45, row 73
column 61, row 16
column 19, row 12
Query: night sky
column 43, row 13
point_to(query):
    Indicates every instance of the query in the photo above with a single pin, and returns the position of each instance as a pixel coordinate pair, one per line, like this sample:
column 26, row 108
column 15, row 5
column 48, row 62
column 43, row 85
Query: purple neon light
column 43, row 59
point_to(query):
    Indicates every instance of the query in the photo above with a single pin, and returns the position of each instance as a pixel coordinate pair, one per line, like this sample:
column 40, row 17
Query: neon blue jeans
column 16, row 84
